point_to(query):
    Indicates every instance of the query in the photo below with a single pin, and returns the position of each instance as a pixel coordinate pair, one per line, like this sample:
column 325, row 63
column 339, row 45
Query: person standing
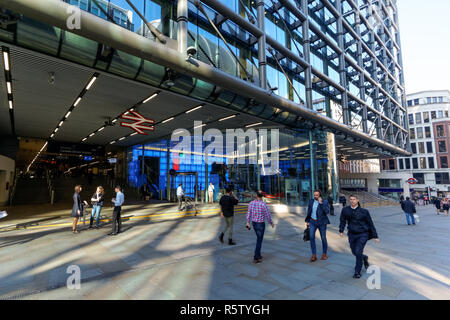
column 227, row 203
column 211, row 192
column 258, row 213
column 78, row 208
column 97, row 201
column 330, row 203
column 180, row 196
column 360, row 230
column 343, row 200
column 437, row 203
column 409, row 208
column 118, row 202
column 317, row 218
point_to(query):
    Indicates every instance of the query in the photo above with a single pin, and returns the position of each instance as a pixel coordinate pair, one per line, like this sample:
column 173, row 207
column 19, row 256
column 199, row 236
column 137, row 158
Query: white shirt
column 211, row 188
column 180, row 191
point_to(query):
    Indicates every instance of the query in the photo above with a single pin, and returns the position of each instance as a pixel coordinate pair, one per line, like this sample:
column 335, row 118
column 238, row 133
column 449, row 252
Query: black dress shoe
column 366, row 263
column 231, row 242
column 357, row 276
column 221, row 237
column 112, row 234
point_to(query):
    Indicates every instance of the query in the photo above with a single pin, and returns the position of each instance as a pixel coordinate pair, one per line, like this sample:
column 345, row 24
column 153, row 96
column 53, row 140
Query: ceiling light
column 77, row 102
column 114, row 121
column 6, row 60
column 121, row 138
column 112, row 142
column 84, row 139
column 151, row 97
column 133, row 134
column 254, row 125
column 10, row 104
column 101, row 129
column 61, row 123
column 199, row 126
column 196, row 108
column 68, row 114
column 91, row 83
column 8, row 85
column 91, row 134
column 56, row 130
column 52, row 135
column 167, row 120
column 230, row 117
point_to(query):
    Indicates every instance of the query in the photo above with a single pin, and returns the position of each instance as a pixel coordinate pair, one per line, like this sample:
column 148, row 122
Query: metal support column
column 342, row 72
column 167, row 172
column 307, row 55
column 362, row 89
column 262, row 59
column 182, row 20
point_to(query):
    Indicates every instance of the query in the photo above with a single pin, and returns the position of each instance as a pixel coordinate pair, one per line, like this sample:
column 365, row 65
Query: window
column 412, row 134
column 401, row 164
column 411, row 119
column 420, row 133
column 444, row 162
column 426, row 117
column 415, row 163
column 423, row 163
column 420, row 177
column 413, row 148
column 440, row 131
column 442, row 146
column 440, row 114
column 430, row 162
column 409, row 103
column 433, row 114
column 435, row 100
column 391, row 164
column 427, row 132
column 383, row 164
column 429, row 100
column 421, row 147
column 429, row 147
column 442, row 178
column 446, row 113
column 416, row 101
column 407, row 163
column 418, row 118
column 441, row 99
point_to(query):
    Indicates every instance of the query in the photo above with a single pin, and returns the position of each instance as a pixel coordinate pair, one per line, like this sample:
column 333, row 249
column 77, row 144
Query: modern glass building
column 326, row 74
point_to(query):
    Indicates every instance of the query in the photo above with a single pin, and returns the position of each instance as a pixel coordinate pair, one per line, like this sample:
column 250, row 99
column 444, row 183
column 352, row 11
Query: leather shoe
column 356, row 276
column 231, row 242
column 257, row 261
column 221, row 237
column 313, row 258
column 324, row 257
column 366, row 263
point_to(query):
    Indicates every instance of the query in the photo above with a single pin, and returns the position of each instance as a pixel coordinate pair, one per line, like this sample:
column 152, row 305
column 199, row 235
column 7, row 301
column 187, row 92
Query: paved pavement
column 181, row 258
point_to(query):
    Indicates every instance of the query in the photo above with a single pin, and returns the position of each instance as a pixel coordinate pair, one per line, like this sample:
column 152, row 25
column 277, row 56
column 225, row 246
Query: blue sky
column 425, row 37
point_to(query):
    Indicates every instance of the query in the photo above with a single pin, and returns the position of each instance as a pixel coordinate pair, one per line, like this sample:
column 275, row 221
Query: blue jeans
column 313, row 226
column 95, row 213
column 357, row 244
column 408, row 215
column 259, row 228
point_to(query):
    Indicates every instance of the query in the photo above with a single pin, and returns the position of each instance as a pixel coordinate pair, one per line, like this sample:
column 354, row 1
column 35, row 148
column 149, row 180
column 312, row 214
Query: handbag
column 306, row 235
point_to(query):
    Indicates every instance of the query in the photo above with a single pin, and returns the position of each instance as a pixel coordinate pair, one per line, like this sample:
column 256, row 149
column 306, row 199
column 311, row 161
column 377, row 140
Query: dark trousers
column 259, row 228
column 313, row 226
column 116, row 222
column 357, row 244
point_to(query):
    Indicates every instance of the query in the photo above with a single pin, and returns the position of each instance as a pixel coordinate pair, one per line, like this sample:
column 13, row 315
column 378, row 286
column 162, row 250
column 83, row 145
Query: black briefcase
column 306, row 235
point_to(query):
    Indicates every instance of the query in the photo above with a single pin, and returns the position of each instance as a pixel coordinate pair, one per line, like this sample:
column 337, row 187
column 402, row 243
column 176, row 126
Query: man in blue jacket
column 409, row 208
column 360, row 230
column 317, row 218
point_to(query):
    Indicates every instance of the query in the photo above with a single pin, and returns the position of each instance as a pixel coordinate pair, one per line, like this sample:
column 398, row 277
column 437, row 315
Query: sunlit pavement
column 182, row 259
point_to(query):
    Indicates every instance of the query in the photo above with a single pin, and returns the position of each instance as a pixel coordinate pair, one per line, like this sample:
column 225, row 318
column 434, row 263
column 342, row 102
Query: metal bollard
column 52, row 198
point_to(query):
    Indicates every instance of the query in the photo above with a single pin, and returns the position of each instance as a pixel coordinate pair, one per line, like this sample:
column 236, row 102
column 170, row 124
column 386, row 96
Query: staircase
column 367, row 199
column 31, row 191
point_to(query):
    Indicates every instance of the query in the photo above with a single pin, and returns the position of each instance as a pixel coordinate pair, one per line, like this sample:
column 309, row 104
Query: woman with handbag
column 97, row 204
column 78, row 208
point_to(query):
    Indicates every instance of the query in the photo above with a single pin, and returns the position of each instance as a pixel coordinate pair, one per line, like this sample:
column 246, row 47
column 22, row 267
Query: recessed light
column 167, row 120
column 133, row 134
column 254, row 125
column 200, row 126
column 193, row 109
column 101, row 129
column 121, row 138
column 77, row 102
column 91, row 83
column 6, row 60
column 8, row 85
column 151, row 97
column 10, row 104
column 84, row 139
column 230, row 117
column 61, row 123
column 91, row 134
column 68, row 114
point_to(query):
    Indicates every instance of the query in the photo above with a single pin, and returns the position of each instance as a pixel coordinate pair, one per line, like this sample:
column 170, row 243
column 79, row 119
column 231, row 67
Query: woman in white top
column 211, row 192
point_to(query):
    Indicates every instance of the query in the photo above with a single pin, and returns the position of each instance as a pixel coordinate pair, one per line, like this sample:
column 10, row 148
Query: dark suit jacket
column 322, row 212
column 409, row 206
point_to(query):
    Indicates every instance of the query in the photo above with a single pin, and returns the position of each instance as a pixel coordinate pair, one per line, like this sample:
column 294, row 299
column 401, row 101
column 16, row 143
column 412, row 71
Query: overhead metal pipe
column 54, row 12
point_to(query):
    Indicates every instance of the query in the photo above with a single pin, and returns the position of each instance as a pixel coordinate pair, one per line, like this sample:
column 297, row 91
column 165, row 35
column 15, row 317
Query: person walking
column 330, row 203
column 360, row 230
column 211, row 192
column 409, row 208
column 437, row 203
column 258, row 213
column 227, row 203
column 446, row 206
column 118, row 202
column 78, row 208
column 317, row 218
column 343, row 200
column 180, row 196
column 97, row 201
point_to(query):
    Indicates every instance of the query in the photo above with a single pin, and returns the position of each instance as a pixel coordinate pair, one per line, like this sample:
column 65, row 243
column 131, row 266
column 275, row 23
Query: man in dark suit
column 360, row 230
column 317, row 218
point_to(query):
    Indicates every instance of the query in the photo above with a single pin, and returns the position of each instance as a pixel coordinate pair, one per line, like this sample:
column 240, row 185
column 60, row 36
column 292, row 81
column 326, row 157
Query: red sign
column 138, row 125
column 412, row 181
